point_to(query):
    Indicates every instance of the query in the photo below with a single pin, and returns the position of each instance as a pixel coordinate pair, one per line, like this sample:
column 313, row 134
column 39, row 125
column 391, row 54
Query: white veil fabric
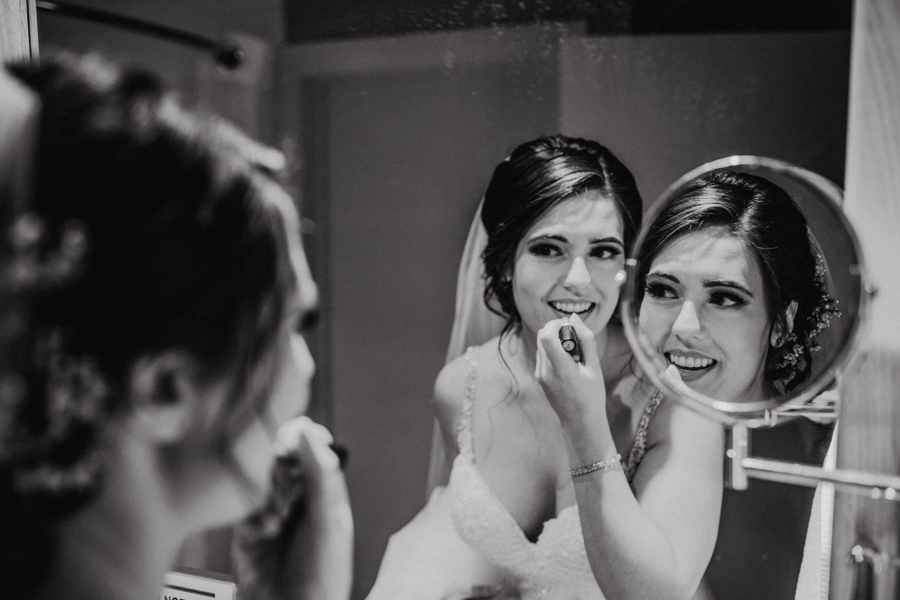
column 473, row 324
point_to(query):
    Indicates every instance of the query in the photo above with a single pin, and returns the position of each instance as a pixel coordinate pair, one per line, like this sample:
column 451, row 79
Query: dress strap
column 464, row 431
column 639, row 448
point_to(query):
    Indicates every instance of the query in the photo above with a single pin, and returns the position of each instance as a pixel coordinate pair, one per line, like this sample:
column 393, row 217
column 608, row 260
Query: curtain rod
column 225, row 52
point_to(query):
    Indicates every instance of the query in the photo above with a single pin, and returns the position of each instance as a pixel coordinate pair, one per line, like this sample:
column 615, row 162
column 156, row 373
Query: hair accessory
column 794, row 357
column 608, row 463
column 60, row 453
column 51, row 400
column 32, row 267
column 824, row 311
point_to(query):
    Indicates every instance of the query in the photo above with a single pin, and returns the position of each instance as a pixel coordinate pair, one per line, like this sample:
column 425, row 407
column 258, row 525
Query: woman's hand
column 575, row 389
column 300, row 544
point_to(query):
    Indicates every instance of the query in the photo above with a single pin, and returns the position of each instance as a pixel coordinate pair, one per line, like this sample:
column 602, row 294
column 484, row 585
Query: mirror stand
column 870, row 566
column 740, row 467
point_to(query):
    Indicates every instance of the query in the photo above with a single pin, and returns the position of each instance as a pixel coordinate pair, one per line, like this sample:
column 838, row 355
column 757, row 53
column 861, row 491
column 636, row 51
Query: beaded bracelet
column 603, row 464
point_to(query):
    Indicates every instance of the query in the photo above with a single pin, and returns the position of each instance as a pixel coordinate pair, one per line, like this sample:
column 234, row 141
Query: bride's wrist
column 582, row 420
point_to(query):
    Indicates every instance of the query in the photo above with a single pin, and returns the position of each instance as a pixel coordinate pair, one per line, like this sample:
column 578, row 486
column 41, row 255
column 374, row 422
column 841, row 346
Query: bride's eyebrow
column 548, row 236
column 664, row 275
column 710, row 283
column 607, row 240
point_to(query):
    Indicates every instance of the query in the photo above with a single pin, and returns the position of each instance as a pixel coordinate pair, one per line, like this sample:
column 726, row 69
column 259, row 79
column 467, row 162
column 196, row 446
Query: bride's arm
column 655, row 544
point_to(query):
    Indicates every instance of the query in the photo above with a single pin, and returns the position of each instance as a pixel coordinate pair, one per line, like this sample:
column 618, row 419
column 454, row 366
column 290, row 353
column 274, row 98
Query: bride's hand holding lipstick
column 575, row 389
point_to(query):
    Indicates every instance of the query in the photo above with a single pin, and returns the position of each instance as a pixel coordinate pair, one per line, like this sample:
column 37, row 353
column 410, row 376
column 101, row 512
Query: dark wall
column 408, row 157
column 668, row 104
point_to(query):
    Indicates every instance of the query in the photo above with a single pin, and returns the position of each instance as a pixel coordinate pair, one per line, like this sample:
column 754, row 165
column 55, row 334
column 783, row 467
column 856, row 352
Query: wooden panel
column 868, row 439
column 869, row 436
column 18, row 30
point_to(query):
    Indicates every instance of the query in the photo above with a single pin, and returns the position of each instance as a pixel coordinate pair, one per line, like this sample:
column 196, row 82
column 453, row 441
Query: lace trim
column 639, row 447
column 464, row 430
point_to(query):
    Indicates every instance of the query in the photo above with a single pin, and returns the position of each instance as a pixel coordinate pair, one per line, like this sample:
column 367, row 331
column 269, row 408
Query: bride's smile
column 567, row 262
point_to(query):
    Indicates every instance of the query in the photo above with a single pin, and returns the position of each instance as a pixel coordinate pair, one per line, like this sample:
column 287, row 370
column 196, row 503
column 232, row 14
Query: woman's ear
column 778, row 336
column 164, row 397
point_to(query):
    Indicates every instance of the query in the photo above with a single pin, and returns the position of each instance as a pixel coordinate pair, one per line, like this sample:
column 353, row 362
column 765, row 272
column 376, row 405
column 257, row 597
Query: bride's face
column 704, row 310
column 568, row 261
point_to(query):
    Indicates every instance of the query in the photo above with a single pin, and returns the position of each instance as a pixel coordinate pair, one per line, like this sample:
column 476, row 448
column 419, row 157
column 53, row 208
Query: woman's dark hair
column 770, row 224
column 535, row 178
column 185, row 249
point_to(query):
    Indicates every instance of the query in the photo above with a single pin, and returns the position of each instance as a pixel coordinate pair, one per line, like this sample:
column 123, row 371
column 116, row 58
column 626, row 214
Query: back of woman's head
column 173, row 241
column 774, row 229
column 534, row 179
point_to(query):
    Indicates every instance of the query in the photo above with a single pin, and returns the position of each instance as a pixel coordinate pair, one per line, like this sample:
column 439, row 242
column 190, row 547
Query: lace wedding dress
column 555, row 566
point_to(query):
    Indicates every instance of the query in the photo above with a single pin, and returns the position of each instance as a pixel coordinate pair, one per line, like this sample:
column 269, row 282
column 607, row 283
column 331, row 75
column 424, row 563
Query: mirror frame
column 757, row 413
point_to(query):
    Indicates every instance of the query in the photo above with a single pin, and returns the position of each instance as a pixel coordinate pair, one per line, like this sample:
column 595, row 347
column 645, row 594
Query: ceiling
column 314, row 20
column 300, row 21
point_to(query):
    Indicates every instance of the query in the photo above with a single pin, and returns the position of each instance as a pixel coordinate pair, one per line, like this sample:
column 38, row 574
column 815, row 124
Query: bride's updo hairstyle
column 147, row 229
column 769, row 223
column 535, row 178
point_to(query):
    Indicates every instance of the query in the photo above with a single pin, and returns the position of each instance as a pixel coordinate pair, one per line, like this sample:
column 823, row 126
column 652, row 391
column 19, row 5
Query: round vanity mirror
column 745, row 291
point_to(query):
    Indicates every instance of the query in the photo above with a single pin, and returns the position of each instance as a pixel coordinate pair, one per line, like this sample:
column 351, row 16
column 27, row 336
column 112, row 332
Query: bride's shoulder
column 454, row 379
column 488, row 366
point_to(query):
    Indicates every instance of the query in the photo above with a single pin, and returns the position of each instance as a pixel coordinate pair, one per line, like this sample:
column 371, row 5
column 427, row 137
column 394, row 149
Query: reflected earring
column 776, row 339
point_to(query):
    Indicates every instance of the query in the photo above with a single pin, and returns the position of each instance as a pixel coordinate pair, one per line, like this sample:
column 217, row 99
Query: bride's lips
column 569, row 307
column 691, row 365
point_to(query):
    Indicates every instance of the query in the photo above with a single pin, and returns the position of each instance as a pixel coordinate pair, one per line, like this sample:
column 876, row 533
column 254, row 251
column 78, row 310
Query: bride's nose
column 687, row 324
column 578, row 275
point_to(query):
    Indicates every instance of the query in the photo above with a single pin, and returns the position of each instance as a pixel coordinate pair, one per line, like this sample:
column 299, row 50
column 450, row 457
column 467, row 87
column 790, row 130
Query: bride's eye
column 606, row 252
column 660, row 291
column 726, row 299
column 544, row 249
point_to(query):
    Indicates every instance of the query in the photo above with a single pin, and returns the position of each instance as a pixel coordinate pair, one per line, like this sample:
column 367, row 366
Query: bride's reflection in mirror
column 734, row 291
column 732, row 296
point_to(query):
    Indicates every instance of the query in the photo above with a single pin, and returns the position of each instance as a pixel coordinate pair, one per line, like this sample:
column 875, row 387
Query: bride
column 535, row 452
